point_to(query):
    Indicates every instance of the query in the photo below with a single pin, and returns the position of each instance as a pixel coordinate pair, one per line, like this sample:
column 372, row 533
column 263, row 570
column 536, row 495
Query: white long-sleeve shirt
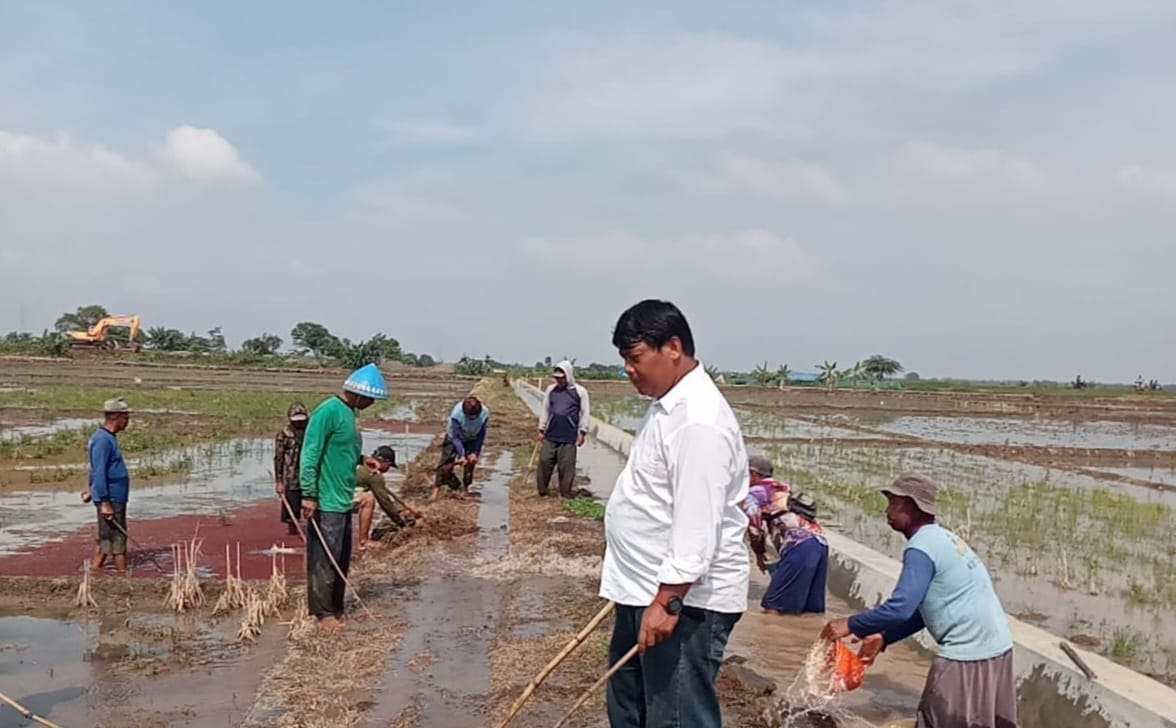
column 674, row 516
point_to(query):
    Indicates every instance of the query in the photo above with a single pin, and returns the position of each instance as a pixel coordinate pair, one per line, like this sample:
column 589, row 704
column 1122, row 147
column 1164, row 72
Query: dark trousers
column 445, row 474
column 559, row 457
column 325, row 588
column 112, row 541
column 673, row 684
column 294, row 498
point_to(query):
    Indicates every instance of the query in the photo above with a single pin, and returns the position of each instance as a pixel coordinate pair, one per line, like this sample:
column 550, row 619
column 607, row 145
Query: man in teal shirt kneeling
column 331, row 449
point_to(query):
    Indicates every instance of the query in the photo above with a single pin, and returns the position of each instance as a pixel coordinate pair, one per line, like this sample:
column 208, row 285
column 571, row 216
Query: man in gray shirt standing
column 563, row 427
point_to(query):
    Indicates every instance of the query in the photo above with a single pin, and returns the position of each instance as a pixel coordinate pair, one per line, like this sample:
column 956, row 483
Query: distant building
column 803, row 377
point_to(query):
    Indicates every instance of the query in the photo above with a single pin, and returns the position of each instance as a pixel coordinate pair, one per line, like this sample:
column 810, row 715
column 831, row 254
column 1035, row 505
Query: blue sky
column 975, row 188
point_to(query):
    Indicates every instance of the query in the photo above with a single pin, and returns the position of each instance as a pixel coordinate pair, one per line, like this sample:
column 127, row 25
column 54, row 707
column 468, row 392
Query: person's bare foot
column 436, row 493
column 330, row 624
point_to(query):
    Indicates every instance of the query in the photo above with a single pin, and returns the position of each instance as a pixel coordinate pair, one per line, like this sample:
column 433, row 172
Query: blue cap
column 368, row 382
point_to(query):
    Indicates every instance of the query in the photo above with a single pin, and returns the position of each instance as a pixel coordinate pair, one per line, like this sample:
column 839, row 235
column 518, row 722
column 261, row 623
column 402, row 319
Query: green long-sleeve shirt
column 330, row 451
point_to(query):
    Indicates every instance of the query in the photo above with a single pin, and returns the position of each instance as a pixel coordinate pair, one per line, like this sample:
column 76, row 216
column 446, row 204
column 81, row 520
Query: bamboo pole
column 596, row 685
column 555, row 662
column 28, row 714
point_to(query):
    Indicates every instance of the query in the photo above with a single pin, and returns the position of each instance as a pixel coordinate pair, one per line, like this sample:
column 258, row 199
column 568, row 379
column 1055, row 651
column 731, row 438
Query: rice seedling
column 85, row 597
column 277, row 594
column 301, row 624
column 253, row 618
column 233, row 596
column 185, row 592
column 1125, row 644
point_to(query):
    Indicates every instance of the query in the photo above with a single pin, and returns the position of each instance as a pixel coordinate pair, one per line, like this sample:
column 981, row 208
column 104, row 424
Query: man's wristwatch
column 673, row 606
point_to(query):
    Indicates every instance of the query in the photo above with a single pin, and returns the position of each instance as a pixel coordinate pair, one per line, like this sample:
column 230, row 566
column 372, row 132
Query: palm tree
column 828, row 375
column 783, row 376
column 763, row 375
column 713, row 373
column 855, row 373
column 881, row 367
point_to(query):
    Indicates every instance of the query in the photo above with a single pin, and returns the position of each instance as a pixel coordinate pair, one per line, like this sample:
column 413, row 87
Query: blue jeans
column 673, row 684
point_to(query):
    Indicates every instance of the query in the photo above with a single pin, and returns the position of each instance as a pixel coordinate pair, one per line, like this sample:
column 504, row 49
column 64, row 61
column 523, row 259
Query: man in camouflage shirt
column 287, row 454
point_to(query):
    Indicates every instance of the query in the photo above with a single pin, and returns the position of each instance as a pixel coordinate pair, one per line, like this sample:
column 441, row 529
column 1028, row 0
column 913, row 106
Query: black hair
column 472, row 406
column 653, row 323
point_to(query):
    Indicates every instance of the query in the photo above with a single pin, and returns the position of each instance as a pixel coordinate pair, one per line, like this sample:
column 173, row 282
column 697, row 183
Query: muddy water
column 1159, row 476
column 19, row 432
column 600, row 465
column 83, row 673
column 776, row 646
column 1050, row 433
column 441, row 670
column 628, row 414
column 223, row 477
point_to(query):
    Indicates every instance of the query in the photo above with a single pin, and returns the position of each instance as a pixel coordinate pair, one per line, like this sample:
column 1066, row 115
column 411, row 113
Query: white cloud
column 799, row 181
column 593, row 251
column 433, row 131
column 395, row 203
column 1149, row 181
column 968, row 175
column 36, row 160
column 205, row 156
column 749, row 254
column 662, row 87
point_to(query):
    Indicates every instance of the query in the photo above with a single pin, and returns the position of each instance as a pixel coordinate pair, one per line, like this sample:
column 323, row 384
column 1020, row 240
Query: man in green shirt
column 370, row 490
column 330, row 452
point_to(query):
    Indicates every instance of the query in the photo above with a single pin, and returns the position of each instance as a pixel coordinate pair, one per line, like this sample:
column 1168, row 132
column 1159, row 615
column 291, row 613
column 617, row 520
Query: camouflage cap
column 297, row 412
column 116, row 406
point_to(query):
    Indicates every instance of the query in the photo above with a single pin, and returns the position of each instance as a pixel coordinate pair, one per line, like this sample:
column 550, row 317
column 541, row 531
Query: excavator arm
column 96, row 334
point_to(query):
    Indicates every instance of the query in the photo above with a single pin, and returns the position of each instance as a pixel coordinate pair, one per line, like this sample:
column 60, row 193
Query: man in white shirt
column 675, row 563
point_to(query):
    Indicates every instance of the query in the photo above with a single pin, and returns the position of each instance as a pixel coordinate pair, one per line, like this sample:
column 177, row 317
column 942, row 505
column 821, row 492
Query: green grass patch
column 214, row 402
column 585, row 508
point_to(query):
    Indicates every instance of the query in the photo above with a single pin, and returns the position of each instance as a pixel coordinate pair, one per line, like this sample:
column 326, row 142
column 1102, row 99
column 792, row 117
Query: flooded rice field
column 1085, row 558
column 221, row 478
column 1080, row 540
column 1044, row 433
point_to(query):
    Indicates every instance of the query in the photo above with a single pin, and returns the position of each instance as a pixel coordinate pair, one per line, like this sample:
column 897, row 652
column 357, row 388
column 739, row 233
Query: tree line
column 307, row 338
column 314, row 340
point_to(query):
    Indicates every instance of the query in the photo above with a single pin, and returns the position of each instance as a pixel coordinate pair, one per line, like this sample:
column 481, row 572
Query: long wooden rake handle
column 28, row 714
column 555, row 662
column 596, row 685
column 290, row 511
column 411, row 511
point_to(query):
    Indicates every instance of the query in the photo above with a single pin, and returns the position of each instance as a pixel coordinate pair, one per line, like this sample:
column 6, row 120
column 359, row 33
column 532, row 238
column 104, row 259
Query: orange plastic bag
column 833, row 668
column 848, row 669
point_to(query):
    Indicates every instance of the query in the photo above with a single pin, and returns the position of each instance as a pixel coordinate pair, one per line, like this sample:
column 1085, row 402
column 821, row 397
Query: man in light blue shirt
column 945, row 589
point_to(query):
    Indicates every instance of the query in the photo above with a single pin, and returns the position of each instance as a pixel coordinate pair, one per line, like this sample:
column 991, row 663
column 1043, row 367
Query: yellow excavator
column 96, row 336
